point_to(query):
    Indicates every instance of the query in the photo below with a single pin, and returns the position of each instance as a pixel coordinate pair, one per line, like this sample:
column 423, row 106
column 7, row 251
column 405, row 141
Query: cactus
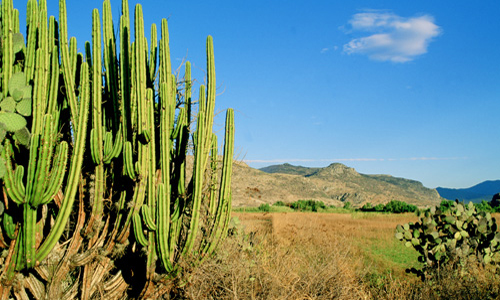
column 129, row 167
column 46, row 159
column 456, row 234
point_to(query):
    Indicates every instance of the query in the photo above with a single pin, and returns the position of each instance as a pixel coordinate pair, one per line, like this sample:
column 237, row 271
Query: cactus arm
column 112, row 150
column 74, row 169
column 128, row 161
column 138, row 233
column 163, row 223
column 222, row 215
column 66, row 64
column 125, row 71
column 210, row 101
column 165, row 64
column 164, row 192
column 152, row 56
column 13, row 191
column 198, row 176
column 39, row 105
column 150, row 154
column 18, row 177
column 203, row 141
column 108, row 147
column 182, row 136
column 110, row 61
column 151, row 148
column 165, row 99
column 32, row 15
column 53, row 38
column 150, row 151
column 125, row 76
column 73, row 57
column 57, row 173
column 137, row 201
column 163, row 205
column 118, row 145
column 140, row 63
column 29, row 234
column 34, row 143
column 54, row 83
column 188, row 85
column 43, row 38
column 213, row 184
column 133, row 95
column 97, row 135
column 97, row 126
column 7, row 48
column 42, row 161
column 147, row 216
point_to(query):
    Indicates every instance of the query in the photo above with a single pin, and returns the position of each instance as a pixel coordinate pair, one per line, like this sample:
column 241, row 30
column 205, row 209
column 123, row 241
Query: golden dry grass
column 322, row 256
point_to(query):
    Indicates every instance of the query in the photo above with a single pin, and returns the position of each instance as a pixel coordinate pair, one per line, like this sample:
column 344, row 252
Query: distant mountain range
column 482, row 191
column 335, row 184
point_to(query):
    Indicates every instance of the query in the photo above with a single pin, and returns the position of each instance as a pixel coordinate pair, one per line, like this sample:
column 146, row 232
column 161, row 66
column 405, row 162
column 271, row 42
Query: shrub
column 397, row 207
column 367, row 207
column 483, row 206
column 347, row 205
column 307, row 205
column 445, row 205
column 279, row 203
column 451, row 237
column 265, row 207
column 393, row 206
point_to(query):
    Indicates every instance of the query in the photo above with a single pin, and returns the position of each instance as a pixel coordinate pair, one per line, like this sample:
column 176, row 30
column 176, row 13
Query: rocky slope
column 334, row 184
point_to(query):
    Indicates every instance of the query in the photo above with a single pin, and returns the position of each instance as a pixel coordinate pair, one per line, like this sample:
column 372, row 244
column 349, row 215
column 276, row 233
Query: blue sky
column 406, row 88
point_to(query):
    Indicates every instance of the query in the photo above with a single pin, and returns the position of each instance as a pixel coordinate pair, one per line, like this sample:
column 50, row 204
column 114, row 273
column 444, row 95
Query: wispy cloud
column 325, row 50
column 349, row 159
column 391, row 37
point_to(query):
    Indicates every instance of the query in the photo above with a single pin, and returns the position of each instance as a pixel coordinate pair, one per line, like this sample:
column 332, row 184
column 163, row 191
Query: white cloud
column 391, row 37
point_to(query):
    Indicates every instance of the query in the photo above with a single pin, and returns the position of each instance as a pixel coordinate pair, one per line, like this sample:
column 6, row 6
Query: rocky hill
column 334, row 184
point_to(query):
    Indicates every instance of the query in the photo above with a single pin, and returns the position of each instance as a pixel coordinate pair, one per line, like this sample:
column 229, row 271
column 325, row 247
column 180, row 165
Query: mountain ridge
column 476, row 193
column 334, row 185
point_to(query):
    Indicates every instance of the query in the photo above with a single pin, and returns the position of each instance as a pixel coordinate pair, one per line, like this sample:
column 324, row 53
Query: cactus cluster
column 102, row 158
column 453, row 235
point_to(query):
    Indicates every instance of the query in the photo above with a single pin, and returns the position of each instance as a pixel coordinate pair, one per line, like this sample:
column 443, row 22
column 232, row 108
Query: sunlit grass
column 324, row 256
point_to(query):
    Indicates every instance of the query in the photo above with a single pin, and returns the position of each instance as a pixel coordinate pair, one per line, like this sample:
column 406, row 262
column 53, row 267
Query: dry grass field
column 323, row 256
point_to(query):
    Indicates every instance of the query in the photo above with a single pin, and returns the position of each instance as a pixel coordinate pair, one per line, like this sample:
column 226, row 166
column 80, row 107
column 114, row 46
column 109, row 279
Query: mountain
column 289, row 169
column 482, row 191
column 334, row 184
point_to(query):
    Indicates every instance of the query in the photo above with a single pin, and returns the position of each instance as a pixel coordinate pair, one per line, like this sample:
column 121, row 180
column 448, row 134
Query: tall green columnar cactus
column 44, row 149
column 130, row 168
column 167, row 210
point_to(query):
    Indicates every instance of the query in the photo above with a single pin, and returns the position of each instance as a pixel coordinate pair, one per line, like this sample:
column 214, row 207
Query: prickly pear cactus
column 457, row 234
column 16, row 93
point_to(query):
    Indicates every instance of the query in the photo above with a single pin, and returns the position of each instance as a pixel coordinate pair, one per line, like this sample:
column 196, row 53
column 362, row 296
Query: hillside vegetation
column 334, row 185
